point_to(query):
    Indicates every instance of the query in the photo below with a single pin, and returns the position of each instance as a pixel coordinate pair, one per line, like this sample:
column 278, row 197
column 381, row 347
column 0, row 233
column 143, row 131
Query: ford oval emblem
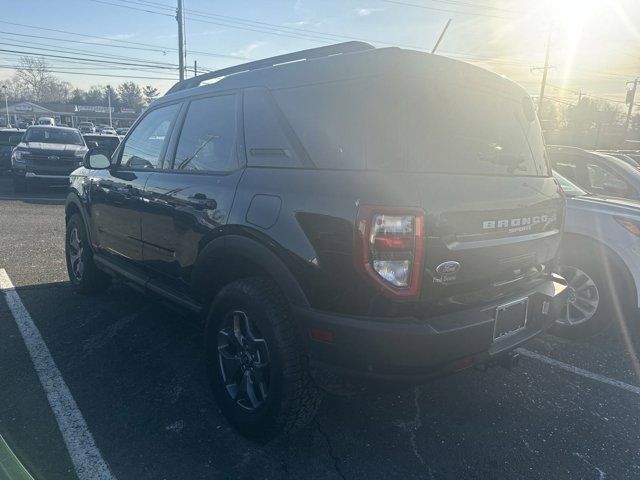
column 448, row 268
column 53, row 157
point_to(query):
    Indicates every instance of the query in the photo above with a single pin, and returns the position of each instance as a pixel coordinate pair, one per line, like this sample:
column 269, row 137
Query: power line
column 48, row 55
column 278, row 30
column 102, row 75
column 425, row 7
column 73, row 51
column 160, row 48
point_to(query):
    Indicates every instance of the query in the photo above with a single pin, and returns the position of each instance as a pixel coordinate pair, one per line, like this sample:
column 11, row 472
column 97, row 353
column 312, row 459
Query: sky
column 595, row 44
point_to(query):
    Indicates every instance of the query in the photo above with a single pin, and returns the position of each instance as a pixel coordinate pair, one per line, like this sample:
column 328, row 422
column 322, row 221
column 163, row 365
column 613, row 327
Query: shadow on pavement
column 136, row 371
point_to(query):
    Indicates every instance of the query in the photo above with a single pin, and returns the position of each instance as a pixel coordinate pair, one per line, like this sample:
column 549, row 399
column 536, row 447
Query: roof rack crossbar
column 345, row 47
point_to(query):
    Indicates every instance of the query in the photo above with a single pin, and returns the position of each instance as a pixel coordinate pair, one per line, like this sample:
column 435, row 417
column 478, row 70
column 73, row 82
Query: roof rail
column 345, row 47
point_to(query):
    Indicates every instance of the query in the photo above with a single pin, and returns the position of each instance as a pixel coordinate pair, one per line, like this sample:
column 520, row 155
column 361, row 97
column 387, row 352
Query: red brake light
column 389, row 249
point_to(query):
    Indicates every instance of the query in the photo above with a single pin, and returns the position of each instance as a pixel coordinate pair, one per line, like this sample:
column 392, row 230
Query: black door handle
column 131, row 189
column 201, row 202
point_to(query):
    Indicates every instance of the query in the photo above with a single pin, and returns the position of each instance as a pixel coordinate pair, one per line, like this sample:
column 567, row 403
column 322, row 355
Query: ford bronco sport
column 384, row 213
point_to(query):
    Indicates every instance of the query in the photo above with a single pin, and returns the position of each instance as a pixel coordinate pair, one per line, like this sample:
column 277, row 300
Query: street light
column 6, row 103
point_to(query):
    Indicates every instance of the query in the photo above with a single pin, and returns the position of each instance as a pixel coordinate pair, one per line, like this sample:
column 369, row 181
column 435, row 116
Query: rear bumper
column 408, row 348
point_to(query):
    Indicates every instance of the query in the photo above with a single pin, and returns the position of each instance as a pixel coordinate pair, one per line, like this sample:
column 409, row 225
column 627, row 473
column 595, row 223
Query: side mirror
column 97, row 159
column 14, row 140
column 92, row 144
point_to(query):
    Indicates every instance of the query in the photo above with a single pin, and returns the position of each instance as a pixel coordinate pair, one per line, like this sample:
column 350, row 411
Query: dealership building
column 68, row 114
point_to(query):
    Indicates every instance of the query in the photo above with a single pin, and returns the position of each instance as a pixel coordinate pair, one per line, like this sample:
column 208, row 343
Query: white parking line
column 86, row 458
column 580, row 371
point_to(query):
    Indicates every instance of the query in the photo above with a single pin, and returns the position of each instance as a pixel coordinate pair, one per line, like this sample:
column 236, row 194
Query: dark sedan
column 46, row 155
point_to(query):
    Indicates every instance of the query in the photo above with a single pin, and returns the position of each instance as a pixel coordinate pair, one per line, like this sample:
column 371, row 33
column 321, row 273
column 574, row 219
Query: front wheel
column 256, row 365
column 83, row 272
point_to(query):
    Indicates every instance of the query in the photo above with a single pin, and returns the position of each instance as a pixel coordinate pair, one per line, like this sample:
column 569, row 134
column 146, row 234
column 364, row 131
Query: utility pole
column 195, row 68
column 180, row 19
column 631, row 97
column 444, row 30
column 544, row 72
column 6, row 103
column 109, row 99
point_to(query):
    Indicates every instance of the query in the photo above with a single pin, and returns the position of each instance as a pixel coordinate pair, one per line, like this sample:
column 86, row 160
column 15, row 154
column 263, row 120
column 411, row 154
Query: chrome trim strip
column 35, row 175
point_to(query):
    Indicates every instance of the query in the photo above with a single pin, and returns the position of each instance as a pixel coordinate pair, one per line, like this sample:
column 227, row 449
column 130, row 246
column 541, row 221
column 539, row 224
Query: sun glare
column 570, row 17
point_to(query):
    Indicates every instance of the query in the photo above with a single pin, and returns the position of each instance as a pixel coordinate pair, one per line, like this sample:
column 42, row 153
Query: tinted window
column 110, row 143
column 143, row 147
column 601, row 179
column 416, row 124
column 208, row 137
column 53, row 135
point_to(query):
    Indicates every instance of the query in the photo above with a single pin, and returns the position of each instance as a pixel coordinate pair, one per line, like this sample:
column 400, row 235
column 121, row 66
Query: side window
column 608, row 182
column 208, row 137
column 144, row 146
column 566, row 166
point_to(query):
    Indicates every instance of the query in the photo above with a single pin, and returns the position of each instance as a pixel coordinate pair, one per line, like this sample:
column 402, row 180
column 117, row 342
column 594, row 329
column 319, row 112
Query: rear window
column 103, row 142
column 414, row 125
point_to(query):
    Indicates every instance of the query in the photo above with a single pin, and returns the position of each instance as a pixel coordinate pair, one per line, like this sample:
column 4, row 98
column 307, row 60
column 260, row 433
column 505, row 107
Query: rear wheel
column 256, row 365
column 19, row 184
column 83, row 272
column 596, row 299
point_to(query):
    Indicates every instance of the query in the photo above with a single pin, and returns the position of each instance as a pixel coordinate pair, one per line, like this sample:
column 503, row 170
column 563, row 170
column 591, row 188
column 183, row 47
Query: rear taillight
column 389, row 249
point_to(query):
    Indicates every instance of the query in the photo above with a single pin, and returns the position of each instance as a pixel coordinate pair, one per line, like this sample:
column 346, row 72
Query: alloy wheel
column 76, row 250
column 584, row 297
column 243, row 358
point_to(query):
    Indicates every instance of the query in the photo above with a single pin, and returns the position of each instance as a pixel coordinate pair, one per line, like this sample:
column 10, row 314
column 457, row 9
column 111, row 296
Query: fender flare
column 237, row 245
column 73, row 198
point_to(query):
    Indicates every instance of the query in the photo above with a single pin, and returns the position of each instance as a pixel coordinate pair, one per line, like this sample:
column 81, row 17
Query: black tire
column 19, row 184
column 83, row 272
column 290, row 399
column 611, row 280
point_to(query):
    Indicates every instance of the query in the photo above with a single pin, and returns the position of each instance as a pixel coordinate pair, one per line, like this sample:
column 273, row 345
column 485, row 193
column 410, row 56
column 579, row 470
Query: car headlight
column 629, row 225
column 18, row 157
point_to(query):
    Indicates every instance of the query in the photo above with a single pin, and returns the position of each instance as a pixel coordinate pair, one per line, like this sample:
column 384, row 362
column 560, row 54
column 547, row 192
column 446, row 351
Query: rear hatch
column 459, row 142
column 474, row 145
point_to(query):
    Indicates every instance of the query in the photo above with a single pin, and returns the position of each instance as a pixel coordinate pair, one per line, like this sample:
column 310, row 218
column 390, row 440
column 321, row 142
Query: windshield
column 568, row 187
column 53, row 135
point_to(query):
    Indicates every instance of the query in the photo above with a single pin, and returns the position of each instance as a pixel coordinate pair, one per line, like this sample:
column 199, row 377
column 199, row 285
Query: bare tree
column 149, row 93
column 34, row 77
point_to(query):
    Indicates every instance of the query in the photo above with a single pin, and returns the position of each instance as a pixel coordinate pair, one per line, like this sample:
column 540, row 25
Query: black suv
column 382, row 213
column 46, row 155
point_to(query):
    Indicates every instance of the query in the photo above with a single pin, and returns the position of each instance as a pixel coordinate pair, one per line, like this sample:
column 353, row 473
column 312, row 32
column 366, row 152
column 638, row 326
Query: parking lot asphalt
column 135, row 371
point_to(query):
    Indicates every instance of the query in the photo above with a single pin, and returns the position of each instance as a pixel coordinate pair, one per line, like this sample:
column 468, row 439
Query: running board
column 140, row 279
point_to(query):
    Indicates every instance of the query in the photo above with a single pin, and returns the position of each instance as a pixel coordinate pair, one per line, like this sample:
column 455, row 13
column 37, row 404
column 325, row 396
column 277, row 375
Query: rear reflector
column 321, row 334
column 462, row 364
